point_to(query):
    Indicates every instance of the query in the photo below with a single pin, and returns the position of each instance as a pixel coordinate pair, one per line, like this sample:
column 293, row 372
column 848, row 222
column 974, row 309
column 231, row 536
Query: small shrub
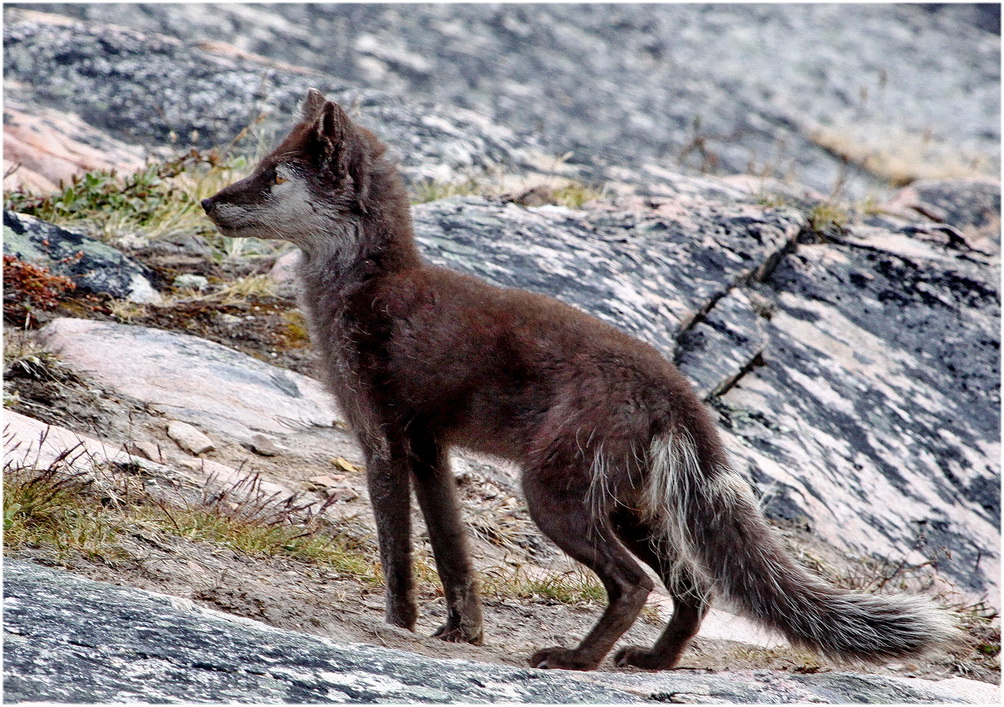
column 28, row 288
column 827, row 217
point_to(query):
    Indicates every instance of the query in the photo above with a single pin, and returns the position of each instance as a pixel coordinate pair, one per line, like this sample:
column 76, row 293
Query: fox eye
column 279, row 180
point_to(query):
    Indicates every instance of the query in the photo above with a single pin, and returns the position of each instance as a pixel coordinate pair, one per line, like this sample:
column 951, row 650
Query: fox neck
column 376, row 241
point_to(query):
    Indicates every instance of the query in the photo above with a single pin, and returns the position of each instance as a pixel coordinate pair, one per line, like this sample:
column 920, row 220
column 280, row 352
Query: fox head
column 311, row 189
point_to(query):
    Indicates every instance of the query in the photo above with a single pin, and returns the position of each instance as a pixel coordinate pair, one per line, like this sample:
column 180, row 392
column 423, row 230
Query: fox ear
column 332, row 125
column 343, row 149
column 312, row 104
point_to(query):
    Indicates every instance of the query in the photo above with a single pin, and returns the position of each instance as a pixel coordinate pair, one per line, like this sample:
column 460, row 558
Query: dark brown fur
column 422, row 358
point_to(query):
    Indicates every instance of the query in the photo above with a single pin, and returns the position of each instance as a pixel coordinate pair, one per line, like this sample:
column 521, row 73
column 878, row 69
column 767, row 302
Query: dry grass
column 575, row 195
column 576, row 586
column 69, row 507
column 77, row 506
column 771, row 200
column 903, row 158
column 535, row 190
column 433, row 190
column 240, row 290
column 827, row 217
column 23, row 353
column 125, row 311
column 46, row 507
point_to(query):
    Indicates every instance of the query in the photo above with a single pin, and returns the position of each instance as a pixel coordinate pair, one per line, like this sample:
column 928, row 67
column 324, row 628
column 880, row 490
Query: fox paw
column 458, row 634
column 562, row 658
column 404, row 616
column 635, row 657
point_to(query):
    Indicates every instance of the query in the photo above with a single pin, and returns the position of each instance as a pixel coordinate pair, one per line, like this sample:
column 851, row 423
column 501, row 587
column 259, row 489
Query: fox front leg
column 435, row 489
column 390, row 492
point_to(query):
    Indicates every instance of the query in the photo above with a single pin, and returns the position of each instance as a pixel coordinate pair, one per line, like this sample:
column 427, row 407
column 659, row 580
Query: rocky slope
column 849, row 351
column 73, row 640
column 789, row 92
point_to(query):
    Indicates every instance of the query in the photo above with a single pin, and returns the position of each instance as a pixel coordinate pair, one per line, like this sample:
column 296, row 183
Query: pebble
column 147, row 450
column 260, row 444
column 189, row 438
column 333, row 486
column 190, row 281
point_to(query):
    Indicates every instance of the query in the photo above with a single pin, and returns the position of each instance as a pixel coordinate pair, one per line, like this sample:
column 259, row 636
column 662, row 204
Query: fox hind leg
column 559, row 507
column 690, row 601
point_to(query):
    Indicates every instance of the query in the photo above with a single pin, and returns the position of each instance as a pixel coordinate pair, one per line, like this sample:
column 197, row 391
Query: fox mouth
column 244, row 230
column 225, row 226
column 227, row 230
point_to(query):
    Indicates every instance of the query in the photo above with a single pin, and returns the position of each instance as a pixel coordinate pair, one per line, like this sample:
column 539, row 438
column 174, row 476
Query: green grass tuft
column 573, row 587
column 58, row 510
column 827, row 217
column 160, row 199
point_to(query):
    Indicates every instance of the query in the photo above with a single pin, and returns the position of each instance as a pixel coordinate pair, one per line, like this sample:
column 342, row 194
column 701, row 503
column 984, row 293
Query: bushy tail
column 711, row 521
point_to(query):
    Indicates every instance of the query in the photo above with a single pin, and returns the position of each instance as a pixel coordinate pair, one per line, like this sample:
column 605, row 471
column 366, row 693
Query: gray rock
column 260, row 444
column 649, row 267
column 722, row 346
column 789, row 90
column 92, row 265
column 146, row 450
column 963, row 203
column 188, row 281
column 69, row 639
column 985, row 15
column 107, row 74
column 876, row 416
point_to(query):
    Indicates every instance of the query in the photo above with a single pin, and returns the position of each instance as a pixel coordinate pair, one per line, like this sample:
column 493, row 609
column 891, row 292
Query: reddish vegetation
column 28, row 288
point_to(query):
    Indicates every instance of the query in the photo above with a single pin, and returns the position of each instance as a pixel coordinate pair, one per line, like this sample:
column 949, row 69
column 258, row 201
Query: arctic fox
column 621, row 463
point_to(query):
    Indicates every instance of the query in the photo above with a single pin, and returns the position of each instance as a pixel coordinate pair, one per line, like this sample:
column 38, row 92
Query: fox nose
column 207, row 204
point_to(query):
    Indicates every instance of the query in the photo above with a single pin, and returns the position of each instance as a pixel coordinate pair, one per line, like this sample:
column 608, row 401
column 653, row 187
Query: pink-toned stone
column 262, row 445
column 189, row 438
column 28, row 441
column 224, row 392
column 31, row 442
column 43, row 147
column 147, row 450
column 284, row 269
column 334, row 486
